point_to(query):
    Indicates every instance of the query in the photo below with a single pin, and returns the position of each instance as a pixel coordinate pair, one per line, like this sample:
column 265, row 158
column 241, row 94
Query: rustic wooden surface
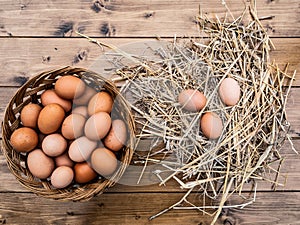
column 37, row 35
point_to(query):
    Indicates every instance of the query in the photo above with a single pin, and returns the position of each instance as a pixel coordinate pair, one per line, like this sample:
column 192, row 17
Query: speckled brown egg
column 104, row 161
column 100, row 102
column 84, row 173
column 85, row 97
column 211, row 125
column 97, row 126
column 39, row 164
column 69, row 87
column 62, row 177
column 24, row 139
column 63, row 160
column 81, row 110
column 73, row 126
column 117, row 135
column 230, row 91
column 192, row 100
column 50, row 118
column 81, row 149
column 54, row 145
column 30, row 114
column 50, row 96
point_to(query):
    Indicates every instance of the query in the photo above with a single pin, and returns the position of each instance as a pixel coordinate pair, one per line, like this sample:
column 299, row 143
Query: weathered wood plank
column 132, row 18
column 27, row 58
column 289, row 173
column 135, row 208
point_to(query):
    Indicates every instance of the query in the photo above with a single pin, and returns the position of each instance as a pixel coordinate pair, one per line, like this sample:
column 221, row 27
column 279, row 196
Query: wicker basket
column 30, row 92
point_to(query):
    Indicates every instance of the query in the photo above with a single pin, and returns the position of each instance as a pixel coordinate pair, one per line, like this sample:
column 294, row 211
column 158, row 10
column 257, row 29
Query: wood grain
column 133, row 18
column 27, row 58
column 135, row 208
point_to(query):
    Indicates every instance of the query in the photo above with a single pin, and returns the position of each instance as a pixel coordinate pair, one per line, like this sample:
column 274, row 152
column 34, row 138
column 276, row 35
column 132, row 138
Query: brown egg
column 85, row 97
column 73, row 126
column 211, row 125
column 97, row 126
column 84, row 173
column 69, row 87
column 81, row 110
column 192, row 100
column 117, row 136
column 230, row 91
column 104, row 161
column 30, row 114
column 63, row 160
column 62, row 177
column 49, row 96
column 39, row 164
column 100, row 102
column 54, row 145
column 50, row 118
column 24, row 139
column 81, row 149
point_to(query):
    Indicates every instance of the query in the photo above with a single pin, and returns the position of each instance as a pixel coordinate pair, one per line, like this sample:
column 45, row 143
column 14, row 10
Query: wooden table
column 40, row 35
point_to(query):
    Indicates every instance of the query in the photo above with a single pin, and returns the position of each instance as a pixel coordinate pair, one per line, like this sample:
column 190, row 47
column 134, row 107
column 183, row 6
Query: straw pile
column 254, row 129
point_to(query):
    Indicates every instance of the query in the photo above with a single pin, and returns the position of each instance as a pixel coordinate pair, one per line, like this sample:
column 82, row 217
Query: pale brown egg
column 84, row 173
column 117, row 136
column 24, row 139
column 211, row 125
column 100, row 102
column 30, row 114
column 39, row 164
column 81, row 110
column 54, row 145
column 73, row 126
column 62, row 177
column 50, row 96
column 69, row 87
column 63, row 160
column 50, row 118
column 97, row 126
column 104, row 161
column 230, row 91
column 81, row 149
column 192, row 100
column 85, row 97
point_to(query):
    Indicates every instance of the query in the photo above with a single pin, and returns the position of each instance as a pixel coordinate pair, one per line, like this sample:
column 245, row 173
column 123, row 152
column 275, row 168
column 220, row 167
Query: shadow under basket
column 31, row 92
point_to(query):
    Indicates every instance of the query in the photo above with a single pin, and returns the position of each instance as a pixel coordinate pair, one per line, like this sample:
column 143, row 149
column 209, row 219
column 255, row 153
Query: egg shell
column 100, row 102
column 50, row 96
column 73, row 126
column 30, row 114
column 84, row 173
column 39, row 164
column 85, row 97
column 117, row 135
column 81, row 149
column 62, row 177
column 81, row 110
column 69, row 87
column 50, row 118
column 24, row 139
column 104, row 161
column 63, row 160
column 230, row 91
column 97, row 126
column 192, row 100
column 211, row 125
column 54, row 145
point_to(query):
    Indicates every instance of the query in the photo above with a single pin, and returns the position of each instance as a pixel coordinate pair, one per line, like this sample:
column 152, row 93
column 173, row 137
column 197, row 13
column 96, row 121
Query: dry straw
column 254, row 129
column 31, row 92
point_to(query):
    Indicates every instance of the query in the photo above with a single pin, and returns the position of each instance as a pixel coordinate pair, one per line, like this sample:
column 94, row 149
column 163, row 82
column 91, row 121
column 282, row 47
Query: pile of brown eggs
column 193, row 100
column 70, row 136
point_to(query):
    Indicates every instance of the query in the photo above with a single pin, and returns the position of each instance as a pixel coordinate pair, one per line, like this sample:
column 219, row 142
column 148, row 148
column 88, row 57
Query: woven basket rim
column 26, row 94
